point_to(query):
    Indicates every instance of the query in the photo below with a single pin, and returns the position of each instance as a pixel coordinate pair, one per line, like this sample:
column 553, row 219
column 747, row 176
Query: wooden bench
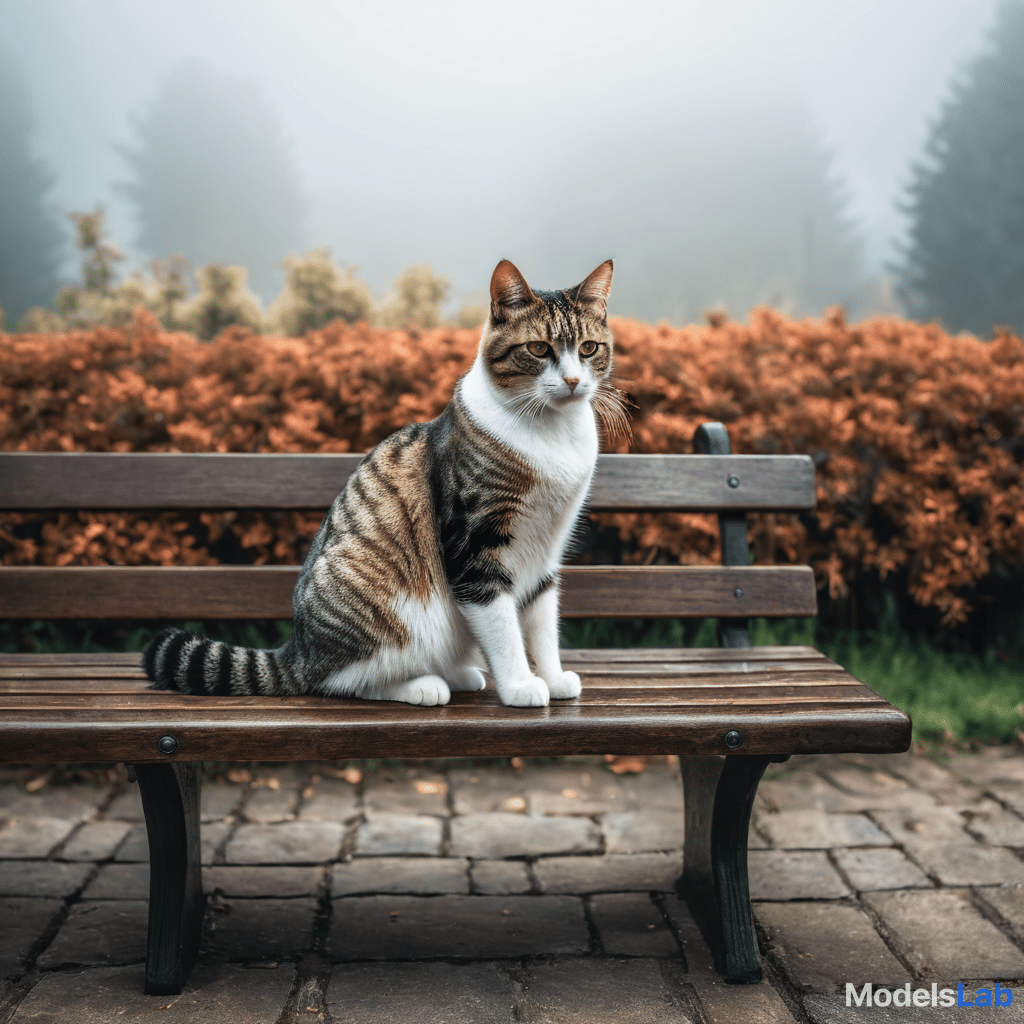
column 728, row 712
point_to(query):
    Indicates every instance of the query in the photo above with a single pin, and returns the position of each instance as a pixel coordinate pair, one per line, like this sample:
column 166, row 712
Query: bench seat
column 781, row 700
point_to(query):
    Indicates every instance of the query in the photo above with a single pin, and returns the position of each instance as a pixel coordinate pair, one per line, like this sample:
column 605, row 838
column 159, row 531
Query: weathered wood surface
column 49, row 715
column 265, row 592
column 170, row 480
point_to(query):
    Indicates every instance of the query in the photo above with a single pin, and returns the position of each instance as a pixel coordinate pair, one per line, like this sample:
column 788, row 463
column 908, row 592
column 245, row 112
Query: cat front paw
column 567, row 685
column 428, row 691
column 531, row 692
column 466, row 679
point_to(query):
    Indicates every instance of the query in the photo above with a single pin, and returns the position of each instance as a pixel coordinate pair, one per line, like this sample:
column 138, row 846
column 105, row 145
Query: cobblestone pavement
column 460, row 893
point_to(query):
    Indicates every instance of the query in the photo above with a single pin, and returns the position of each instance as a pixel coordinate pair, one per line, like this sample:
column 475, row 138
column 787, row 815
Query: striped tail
column 188, row 663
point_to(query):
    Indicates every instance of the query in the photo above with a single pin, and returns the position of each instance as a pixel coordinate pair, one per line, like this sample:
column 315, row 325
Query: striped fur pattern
column 440, row 557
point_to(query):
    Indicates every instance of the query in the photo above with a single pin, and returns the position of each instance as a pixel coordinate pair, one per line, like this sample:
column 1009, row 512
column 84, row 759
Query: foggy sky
column 418, row 129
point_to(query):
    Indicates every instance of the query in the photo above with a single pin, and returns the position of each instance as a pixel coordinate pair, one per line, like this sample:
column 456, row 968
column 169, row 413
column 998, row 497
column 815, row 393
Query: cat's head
column 547, row 350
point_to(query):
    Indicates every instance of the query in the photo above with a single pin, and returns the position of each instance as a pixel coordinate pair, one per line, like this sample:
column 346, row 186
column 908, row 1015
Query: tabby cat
column 447, row 538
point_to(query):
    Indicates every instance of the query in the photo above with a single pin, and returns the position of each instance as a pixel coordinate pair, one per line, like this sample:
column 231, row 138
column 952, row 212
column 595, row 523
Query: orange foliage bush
column 918, row 436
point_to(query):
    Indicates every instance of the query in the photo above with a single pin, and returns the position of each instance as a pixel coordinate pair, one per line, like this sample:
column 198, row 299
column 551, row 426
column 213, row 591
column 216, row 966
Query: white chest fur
column 560, row 446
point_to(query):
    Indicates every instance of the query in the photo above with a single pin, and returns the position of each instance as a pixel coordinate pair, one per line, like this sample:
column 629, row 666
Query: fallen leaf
column 426, row 788
column 36, row 784
column 623, row 764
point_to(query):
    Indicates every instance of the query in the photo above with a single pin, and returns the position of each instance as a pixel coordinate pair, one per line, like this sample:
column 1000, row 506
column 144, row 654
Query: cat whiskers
column 611, row 406
column 527, row 406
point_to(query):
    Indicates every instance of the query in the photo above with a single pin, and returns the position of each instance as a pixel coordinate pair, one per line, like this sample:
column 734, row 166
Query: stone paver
column 267, row 806
column 127, row 806
column 413, row 993
column 480, row 893
column 822, row 946
column 384, row 835
column 41, row 878
column 971, row 865
column 100, row 932
column 214, row 992
column 120, row 882
column 329, row 800
column 643, row 872
column 443, row 927
column 253, row 881
column 499, row 877
column 573, row 791
column 793, row 875
column 414, row 875
column 407, row 792
column 33, row 837
column 24, row 921
column 494, row 836
column 944, row 937
column 219, row 800
column 880, row 868
column 95, row 840
column 293, row 842
column 629, row 924
column 812, row 830
column 1008, row 902
column 134, row 847
column 266, row 929
column 612, row 992
column 474, row 791
column 991, row 823
column 655, row 828
column 72, row 803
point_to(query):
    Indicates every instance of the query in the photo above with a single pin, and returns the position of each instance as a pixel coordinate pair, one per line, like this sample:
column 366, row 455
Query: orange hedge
column 918, row 436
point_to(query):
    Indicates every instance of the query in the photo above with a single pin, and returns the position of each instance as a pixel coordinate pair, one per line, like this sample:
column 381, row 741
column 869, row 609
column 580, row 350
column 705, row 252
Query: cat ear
column 596, row 288
column 509, row 291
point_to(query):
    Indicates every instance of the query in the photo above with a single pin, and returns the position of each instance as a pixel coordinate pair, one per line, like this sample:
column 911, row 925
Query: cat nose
column 572, row 382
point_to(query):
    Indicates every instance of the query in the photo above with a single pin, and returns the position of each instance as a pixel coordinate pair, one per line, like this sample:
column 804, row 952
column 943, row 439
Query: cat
column 447, row 538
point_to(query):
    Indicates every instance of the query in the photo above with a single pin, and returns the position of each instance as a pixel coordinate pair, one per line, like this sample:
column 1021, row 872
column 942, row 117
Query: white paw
column 466, row 678
column 565, row 686
column 531, row 692
column 426, row 690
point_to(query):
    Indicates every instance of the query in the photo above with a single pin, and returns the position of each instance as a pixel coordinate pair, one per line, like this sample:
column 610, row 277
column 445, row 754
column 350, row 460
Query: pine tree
column 213, row 179
column 32, row 239
column 964, row 263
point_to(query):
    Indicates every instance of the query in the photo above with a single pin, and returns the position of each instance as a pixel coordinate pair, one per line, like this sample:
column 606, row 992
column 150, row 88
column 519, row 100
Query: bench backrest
column 730, row 485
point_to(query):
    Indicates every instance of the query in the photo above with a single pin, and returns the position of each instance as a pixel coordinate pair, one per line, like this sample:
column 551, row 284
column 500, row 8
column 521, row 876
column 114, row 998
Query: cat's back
column 379, row 534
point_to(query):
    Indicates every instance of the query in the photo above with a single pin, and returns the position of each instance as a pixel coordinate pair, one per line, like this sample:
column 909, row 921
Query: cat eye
column 588, row 348
column 538, row 348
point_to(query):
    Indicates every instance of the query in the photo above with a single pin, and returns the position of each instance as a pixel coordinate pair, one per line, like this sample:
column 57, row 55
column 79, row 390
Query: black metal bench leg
column 719, row 794
column 170, row 799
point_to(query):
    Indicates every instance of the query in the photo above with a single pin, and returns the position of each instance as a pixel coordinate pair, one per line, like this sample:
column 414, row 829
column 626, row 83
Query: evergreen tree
column 717, row 209
column 32, row 238
column 965, row 259
column 213, row 179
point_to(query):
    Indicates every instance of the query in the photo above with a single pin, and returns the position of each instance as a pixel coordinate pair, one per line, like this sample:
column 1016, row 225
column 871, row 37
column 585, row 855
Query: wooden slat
column 776, row 710
column 264, row 592
column 169, row 480
column 466, row 727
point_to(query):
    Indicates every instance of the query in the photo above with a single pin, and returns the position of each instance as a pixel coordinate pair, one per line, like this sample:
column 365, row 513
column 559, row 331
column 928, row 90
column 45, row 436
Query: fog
column 723, row 153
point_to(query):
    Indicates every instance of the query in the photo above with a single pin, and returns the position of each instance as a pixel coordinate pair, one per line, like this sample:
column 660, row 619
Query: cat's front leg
column 495, row 627
column 540, row 633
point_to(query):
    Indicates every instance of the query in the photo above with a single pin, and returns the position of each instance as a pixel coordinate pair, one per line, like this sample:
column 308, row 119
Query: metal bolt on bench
column 728, row 711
